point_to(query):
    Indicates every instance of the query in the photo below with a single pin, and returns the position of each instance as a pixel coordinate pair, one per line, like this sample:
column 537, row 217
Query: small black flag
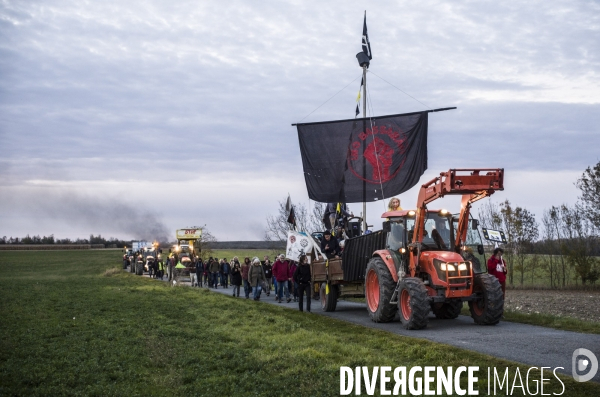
column 366, row 45
column 357, row 111
column 292, row 217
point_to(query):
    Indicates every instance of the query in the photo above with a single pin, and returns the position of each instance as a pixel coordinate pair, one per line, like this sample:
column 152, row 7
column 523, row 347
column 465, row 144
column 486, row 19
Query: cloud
column 114, row 93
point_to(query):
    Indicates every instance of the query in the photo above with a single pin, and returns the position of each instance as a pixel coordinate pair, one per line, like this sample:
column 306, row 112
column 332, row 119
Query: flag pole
column 364, row 211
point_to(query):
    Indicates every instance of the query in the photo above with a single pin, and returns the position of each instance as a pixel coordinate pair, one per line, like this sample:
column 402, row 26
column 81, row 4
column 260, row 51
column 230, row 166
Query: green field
column 74, row 324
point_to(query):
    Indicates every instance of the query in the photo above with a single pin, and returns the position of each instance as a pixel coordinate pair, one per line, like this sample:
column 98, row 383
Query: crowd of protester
column 284, row 279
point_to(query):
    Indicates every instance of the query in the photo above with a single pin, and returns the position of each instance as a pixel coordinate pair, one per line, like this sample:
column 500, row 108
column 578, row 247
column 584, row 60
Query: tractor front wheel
column 379, row 288
column 139, row 268
column 489, row 308
column 413, row 303
column 447, row 310
column 328, row 300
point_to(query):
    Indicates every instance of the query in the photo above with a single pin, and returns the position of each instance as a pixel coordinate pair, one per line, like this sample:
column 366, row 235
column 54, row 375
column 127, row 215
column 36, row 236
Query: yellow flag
column 358, row 96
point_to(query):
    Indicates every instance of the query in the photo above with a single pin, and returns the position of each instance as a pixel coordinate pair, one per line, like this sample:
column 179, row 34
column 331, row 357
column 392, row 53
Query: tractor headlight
column 462, row 267
column 447, row 266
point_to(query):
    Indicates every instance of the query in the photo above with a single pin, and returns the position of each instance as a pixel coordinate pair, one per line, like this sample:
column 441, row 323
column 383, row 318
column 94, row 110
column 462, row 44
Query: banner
column 362, row 160
column 299, row 243
column 189, row 234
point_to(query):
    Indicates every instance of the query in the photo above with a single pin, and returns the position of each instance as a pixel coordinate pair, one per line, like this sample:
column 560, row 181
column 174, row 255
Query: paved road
column 527, row 344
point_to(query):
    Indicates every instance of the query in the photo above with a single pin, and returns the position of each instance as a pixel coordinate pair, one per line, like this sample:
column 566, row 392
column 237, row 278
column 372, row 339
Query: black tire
column 489, row 309
column 413, row 303
column 328, row 301
column 379, row 288
column 139, row 268
column 131, row 267
column 448, row 310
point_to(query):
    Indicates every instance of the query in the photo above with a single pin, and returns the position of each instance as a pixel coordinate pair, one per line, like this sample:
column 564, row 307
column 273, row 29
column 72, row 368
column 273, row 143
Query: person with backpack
column 302, row 279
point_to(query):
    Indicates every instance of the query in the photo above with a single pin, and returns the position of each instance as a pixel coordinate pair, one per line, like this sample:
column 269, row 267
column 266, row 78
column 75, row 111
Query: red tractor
column 424, row 260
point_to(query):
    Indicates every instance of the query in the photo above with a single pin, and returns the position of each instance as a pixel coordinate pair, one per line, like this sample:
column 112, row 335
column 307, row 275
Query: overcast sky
column 123, row 117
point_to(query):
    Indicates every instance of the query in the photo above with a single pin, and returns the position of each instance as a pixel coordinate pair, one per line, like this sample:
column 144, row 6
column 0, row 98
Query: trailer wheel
column 447, row 310
column 328, row 301
column 489, row 309
column 413, row 303
column 379, row 288
column 139, row 268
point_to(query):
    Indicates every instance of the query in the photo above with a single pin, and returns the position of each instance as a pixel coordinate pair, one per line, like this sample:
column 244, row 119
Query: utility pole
column 364, row 211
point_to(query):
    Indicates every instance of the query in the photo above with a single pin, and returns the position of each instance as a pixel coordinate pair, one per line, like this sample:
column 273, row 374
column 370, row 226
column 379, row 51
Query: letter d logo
column 579, row 364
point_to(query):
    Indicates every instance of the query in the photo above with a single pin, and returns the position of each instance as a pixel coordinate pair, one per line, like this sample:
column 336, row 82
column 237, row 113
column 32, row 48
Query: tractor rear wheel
column 489, row 308
column 413, row 303
column 328, row 300
column 447, row 310
column 379, row 288
column 139, row 268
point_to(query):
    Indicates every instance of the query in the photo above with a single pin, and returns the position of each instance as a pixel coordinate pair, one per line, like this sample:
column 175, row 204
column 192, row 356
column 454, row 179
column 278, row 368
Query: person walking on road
column 268, row 268
column 292, row 286
column 256, row 277
column 236, row 277
column 302, row 278
column 225, row 270
column 281, row 274
column 214, row 272
column 245, row 270
column 199, row 272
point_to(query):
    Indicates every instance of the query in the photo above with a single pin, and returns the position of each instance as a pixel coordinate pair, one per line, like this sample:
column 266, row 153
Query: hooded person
column 256, row 278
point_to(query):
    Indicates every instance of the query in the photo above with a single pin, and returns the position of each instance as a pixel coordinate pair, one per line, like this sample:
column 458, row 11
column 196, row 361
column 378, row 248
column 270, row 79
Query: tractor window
column 470, row 251
column 396, row 235
column 436, row 235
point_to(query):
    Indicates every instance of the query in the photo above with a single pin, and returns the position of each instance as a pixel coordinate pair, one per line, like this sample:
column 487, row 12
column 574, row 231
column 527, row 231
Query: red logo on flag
column 383, row 154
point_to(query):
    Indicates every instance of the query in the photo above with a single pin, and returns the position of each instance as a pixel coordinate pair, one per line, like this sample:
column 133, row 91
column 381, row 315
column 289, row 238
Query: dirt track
column 583, row 305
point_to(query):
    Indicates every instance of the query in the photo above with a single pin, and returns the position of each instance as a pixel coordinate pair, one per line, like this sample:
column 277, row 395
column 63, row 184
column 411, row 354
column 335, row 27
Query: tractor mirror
column 474, row 224
column 387, row 227
column 480, row 249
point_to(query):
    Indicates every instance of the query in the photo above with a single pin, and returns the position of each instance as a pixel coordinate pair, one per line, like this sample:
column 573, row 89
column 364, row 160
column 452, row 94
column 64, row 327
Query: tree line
column 564, row 247
column 52, row 240
column 565, row 244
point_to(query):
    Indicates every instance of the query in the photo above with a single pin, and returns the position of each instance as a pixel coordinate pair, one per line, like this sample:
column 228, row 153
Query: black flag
column 366, row 45
column 353, row 160
column 292, row 217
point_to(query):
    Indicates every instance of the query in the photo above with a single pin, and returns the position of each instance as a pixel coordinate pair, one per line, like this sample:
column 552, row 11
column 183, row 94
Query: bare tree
column 206, row 244
column 579, row 246
column 550, row 248
column 490, row 216
column 278, row 225
column 589, row 184
column 526, row 232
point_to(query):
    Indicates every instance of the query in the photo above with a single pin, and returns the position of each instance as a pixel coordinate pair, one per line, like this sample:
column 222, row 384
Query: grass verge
column 72, row 325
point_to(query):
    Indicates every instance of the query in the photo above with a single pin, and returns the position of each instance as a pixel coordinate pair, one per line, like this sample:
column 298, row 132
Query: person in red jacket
column 282, row 275
column 497, row 268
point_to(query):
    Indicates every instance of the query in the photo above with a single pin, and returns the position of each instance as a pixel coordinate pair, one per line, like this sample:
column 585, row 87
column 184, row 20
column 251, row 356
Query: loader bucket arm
column 472, row 184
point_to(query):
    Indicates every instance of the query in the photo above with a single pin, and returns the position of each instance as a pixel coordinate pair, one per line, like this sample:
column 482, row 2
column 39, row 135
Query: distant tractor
column 187, row 247
column 423, row 260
